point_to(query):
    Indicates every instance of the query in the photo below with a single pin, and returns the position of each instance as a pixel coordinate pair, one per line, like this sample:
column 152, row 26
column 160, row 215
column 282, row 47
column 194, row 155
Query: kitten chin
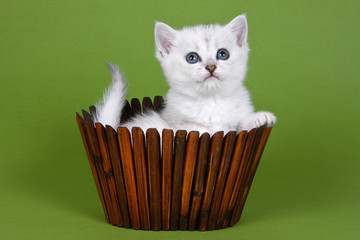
column 205, row 66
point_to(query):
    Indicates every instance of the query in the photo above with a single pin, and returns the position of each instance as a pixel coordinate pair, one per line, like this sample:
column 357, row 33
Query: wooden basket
column 187, row 182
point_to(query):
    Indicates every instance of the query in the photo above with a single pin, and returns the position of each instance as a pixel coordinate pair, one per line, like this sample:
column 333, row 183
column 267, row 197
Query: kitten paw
column 259, row 119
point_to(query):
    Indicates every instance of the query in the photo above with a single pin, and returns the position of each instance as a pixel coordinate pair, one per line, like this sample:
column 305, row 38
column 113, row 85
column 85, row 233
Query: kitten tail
column 108, row 111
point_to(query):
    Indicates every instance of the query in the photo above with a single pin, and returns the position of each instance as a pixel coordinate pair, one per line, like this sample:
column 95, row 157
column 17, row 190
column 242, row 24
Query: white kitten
column 205, row 67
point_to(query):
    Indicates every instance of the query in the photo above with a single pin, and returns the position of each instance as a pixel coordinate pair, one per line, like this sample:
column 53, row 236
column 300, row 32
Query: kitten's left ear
column 239, row 27
column 164, row 37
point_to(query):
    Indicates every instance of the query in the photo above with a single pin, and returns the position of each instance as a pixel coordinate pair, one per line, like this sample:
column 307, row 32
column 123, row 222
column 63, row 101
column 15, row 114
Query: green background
column 304, row 67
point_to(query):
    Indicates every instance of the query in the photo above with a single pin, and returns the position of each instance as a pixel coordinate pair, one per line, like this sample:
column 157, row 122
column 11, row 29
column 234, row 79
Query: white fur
column 196, row 101
column 109, row 109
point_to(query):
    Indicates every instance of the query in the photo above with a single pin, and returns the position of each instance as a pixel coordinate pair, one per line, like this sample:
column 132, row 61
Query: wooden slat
column 127, row 113
column 147, row 105
column 118, row 174
column 248, row 164
column 239, row 176
column 84, row 136
column 95, row 151
column 260, row 140
column 199, row 180
column 106, row 164
column 167, row 159
column 87, row 116
column 263, row 141
column 158, row 103
column 230, row 181
column 212, row 169
column 188, row 173
column 129, row 175
column 153, row 155
column 136, row 106
column 221, row 178
column 180, row 144
column 141, row 176
column 92, row 110
column 243, row 189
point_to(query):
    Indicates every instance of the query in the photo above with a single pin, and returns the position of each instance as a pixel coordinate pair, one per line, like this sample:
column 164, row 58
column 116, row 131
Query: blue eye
column 192, row 58
column 222, row 54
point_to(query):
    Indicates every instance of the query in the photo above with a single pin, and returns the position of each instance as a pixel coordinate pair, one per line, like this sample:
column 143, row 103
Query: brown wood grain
column 244, row 189
column 226, row 155
column 240, row 175
column 106, row 164
column 154, row 173
column 127, row 113
column 199, row 180
column 118, row 174
column 259, row 152
column 141, row 176
column 87, row 116
column 188, row 174
column 195, row 183
column 92, row 110
column 147, row 105
column 85, row 137
column 167, row 159
column 158, row 103
column 230, row 181
column 96, row 154
column 129, row 175
column 212, row 170
column 261, row 139
column 179, row 155
column 242, row 192
column 136, row 105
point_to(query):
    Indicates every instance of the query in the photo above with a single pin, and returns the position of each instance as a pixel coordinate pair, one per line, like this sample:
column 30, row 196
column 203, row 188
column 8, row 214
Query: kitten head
column 204, row 59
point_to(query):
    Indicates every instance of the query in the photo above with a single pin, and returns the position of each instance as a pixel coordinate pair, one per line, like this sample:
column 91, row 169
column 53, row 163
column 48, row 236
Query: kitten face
column 205, row 59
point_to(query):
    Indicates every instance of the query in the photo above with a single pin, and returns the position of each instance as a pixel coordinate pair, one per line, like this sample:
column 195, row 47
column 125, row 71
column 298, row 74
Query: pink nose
column 211, row 69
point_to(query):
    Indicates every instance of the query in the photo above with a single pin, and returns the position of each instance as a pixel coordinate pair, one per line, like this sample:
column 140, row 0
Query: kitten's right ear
column 238, row 26
column 164, row 37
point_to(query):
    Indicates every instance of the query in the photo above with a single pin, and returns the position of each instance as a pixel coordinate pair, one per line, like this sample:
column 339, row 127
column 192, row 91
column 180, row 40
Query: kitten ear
column 164, row 37
column 238, row 26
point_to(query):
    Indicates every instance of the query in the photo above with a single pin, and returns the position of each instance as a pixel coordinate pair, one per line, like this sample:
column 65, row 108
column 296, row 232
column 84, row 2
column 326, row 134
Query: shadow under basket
column 184, row 182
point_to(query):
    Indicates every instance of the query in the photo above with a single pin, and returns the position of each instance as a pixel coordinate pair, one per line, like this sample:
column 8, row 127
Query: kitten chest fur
column 211, row 113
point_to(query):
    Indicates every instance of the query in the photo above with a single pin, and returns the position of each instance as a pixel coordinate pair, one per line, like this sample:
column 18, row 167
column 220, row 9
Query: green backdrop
column 304, row 67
